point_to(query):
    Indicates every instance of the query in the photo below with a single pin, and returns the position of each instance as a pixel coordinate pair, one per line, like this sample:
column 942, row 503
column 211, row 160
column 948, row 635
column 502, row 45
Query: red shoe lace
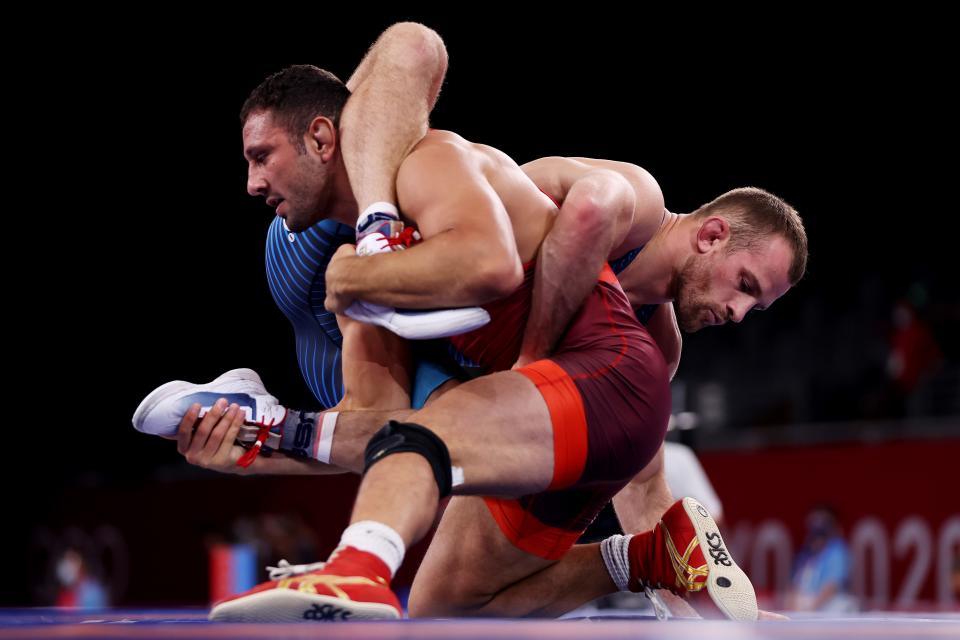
column 406, row 238
column 247, row 458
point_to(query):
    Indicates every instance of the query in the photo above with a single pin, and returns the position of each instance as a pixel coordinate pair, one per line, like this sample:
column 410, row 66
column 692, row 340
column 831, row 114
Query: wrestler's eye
column 744, row 286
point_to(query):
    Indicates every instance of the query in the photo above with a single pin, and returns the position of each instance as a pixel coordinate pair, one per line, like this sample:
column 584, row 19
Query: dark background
column 144, row 260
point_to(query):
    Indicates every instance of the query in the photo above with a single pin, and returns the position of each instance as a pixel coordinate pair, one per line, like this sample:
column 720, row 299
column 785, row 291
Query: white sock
column 381, row 207
column 378, row 539
column 615, row 555
column 324, row 442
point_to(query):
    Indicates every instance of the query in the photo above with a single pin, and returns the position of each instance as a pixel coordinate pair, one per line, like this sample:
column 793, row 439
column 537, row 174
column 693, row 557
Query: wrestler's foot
column 353, row 585
column 374, row 243
column 420, row 325
column 410, row 325
column 385, row 222
column 684, row 553
column 162, row 410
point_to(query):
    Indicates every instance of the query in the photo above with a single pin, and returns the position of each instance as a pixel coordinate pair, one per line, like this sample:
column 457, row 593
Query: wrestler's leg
column 498, row 432
column 376, row 368
column 472, row 569
column 394, row 90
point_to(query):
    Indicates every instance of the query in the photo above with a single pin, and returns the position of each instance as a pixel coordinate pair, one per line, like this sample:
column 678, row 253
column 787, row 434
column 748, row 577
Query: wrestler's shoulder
column 441, row 150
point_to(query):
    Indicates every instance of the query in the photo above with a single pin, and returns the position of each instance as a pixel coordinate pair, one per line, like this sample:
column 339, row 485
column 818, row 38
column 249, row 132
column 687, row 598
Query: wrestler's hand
column 679, row 607
column 337, row 270
column 769, row 616
column 212, row 444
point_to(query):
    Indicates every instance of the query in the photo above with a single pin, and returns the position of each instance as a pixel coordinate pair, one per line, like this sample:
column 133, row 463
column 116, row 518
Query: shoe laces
column 251, row 454
column 286, row 570
column 649, row 585
column 405, row 239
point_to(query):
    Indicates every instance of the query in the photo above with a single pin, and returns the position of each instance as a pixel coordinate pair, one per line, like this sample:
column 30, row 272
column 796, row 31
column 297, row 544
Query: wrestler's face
column 293, row 181
column 718, row 286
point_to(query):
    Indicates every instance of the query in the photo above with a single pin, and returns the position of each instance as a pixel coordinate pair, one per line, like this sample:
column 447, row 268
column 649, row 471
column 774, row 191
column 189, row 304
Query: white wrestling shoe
column 420, row 325
column 162, row 410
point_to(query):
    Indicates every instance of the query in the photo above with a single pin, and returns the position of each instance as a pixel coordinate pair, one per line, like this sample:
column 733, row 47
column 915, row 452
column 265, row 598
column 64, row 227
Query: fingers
column 216, row 438
column 771, row 616
column 226, row 438
column 207, row 424
column 194, row 449
column 185, row 430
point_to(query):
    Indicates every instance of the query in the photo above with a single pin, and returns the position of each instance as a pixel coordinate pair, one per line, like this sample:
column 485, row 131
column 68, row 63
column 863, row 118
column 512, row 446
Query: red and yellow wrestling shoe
column 685, row 553
column 353, row 585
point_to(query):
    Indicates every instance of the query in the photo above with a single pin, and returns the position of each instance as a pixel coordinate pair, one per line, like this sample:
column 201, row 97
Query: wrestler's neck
column 650, row 277
column 340, row 204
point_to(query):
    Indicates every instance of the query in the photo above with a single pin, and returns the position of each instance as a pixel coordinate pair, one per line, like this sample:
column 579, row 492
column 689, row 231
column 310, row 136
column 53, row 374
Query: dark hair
column 754, row 215
column 295, row 96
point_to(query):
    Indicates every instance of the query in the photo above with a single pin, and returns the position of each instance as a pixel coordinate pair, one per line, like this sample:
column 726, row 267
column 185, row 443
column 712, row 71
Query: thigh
column 499, row 434
column 376, row 367
column 468, row 563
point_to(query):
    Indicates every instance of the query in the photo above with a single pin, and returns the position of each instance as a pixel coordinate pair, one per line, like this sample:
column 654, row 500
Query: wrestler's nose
column 256, row 183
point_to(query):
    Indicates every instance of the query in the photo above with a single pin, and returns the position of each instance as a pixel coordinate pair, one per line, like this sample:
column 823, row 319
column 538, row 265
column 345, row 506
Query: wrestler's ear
column 321, row 138
column 712, row 234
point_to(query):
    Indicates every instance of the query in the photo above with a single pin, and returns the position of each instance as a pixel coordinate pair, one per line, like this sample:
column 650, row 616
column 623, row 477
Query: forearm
column 567, row 270
column 640, row 504
column 393, row 91
column 280, row 464
column 594, row 211
column 448, row 270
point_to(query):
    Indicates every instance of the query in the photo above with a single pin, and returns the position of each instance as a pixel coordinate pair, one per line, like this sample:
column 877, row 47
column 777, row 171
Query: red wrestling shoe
column 353, row 585
column 685, row 553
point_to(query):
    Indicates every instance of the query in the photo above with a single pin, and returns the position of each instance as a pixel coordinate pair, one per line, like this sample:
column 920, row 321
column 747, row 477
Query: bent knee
column 443, row 598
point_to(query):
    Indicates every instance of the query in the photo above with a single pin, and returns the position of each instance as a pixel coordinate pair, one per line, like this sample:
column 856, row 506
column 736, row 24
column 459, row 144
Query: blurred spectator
column 914, row 353
column 821, row 575
column 78, row 589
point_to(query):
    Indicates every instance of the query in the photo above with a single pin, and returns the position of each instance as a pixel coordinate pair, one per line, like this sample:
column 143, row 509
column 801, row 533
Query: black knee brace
column 402, row 437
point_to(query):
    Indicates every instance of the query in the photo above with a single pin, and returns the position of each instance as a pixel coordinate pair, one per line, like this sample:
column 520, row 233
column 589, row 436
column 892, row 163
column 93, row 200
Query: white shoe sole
column 290, row 605
column 163, row 392
column 420, row 325
column 728, row 586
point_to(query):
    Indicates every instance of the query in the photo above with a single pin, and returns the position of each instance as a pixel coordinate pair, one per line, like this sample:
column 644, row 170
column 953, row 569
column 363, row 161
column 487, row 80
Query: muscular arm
column 594, row 217
column 393, row 91
column 606, row 208
column 469, row 254
column 639, row 506
column 210, row 443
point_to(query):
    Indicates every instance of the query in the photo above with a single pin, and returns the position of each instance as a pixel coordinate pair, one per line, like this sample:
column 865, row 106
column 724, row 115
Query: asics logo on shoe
column 326, row 613
column 717, row 552
column 303, row 438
